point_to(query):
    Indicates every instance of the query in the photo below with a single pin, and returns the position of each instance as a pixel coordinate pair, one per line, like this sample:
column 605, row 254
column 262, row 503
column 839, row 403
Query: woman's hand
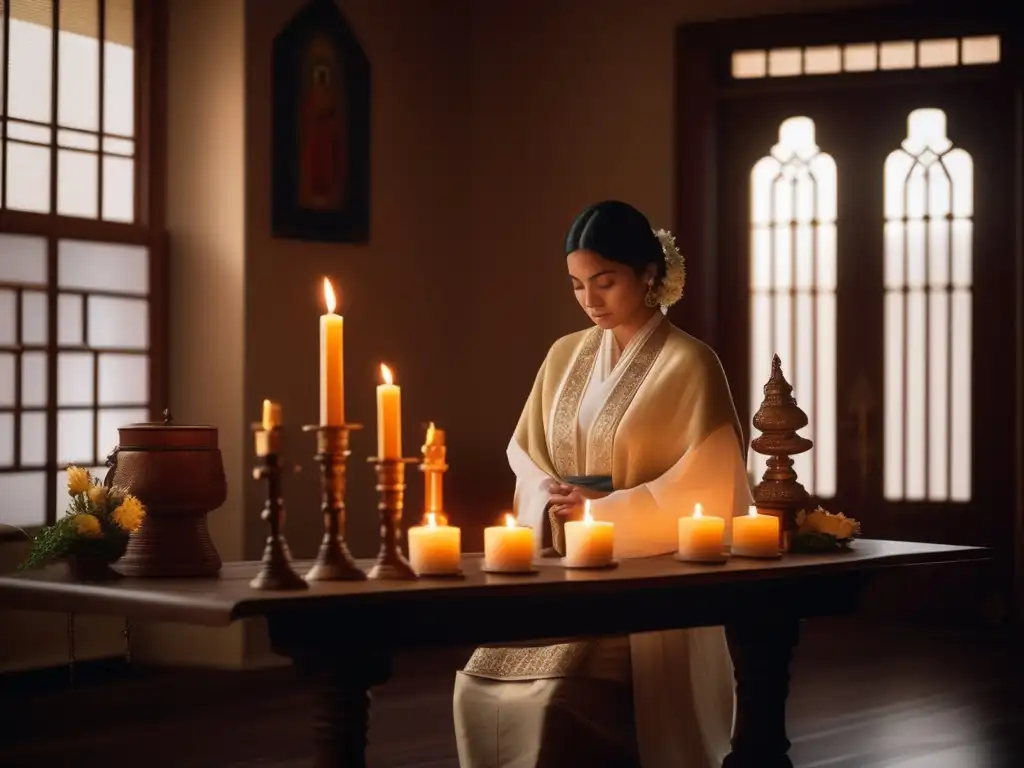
column 567, row 499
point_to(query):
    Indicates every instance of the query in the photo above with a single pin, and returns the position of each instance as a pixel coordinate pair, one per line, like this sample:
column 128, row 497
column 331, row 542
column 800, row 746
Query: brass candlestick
column 433, row 468
column 276, row 571
column 778, row 419
column 391, row 563
column 334, row 562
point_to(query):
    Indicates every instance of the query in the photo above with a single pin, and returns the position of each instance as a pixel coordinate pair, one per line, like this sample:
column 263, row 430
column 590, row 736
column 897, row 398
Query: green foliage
column 811, row 542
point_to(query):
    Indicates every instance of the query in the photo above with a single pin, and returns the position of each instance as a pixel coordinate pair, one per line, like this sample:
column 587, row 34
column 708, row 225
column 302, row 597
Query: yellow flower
column 98, row 495
column 838, row 525
column 87, row 525
column 129, row 514
column 79, row 481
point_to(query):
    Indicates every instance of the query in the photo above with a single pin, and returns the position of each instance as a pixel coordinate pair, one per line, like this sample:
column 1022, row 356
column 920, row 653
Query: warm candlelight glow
column 588, row 542
column 755, row 535
column 701, row 537
column 330, row 300
column 332, row 361
column 508, row 548
column 433, row 548
column 389, row 416
column 271, row 415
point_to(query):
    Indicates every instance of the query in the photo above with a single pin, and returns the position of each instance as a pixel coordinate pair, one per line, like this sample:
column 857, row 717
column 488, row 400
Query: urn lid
column 166, row 435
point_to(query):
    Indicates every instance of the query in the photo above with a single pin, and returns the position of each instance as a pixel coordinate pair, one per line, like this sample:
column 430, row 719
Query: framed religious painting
column 321, row 129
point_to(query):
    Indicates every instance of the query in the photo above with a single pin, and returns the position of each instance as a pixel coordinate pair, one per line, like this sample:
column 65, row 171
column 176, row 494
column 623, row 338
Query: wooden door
column 866, row 236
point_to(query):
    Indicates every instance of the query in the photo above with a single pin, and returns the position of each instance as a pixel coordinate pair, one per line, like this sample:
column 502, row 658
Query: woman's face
column 609, row 292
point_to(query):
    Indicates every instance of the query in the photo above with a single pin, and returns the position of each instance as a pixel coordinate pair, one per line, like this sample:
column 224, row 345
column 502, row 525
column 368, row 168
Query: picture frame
column 320, row 174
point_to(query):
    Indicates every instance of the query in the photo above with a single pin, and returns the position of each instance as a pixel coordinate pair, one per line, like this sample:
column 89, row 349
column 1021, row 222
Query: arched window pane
column 793, row 208
column 929, row 202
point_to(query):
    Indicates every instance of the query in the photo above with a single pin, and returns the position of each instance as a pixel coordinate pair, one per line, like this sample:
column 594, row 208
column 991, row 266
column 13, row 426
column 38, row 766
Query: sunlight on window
column 80, row 159
column 929, row 205
column 793, row 264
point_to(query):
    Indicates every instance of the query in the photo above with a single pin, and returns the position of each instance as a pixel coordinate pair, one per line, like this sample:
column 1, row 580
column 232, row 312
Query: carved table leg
column 340, row 679
column 761, row 652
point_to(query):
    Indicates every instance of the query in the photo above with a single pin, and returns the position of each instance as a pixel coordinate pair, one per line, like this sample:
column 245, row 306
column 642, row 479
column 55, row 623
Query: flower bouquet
column 93, row 532
column 823, row 531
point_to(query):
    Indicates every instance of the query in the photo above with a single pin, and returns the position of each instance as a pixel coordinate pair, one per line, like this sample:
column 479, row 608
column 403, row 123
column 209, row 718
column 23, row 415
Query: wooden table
column 342, row 635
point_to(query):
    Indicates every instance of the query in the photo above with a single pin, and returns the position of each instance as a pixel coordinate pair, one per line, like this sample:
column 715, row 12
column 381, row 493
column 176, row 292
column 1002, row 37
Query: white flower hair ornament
column 670, row 288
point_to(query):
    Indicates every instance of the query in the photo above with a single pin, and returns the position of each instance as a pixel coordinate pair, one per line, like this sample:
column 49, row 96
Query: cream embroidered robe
column 661, row 422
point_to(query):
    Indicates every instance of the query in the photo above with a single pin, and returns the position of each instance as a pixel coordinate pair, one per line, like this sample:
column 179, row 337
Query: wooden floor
column 863, row 697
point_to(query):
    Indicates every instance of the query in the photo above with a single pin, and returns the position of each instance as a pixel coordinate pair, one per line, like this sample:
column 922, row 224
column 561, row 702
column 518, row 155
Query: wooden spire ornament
column 778, row 419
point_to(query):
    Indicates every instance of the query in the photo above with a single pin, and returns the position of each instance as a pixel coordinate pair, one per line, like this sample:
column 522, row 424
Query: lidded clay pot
column 177, row 472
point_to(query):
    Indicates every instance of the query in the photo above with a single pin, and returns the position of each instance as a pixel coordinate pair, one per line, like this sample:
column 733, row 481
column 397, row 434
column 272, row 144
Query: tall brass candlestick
column 433, row 468
column 391, row 563
column 334, row 562
column 276, row 570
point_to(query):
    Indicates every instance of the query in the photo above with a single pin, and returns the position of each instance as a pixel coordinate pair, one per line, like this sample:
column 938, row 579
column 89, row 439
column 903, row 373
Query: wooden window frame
column 703, row 79
column 148, row 229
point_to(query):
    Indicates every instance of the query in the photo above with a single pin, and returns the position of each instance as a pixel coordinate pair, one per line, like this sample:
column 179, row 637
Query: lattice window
column 866, row 57
column 793, row 266
column 76, row 321
column 929, row 204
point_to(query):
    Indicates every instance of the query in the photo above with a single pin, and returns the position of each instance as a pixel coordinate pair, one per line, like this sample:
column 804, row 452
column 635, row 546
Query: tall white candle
column 332, row 365
column 389, row 416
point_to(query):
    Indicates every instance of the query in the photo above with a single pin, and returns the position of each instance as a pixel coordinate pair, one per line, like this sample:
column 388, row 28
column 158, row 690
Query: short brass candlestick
column 276, row 570
column 334, row 562
column 391, row 563
column 778, row 419
column 433, row 468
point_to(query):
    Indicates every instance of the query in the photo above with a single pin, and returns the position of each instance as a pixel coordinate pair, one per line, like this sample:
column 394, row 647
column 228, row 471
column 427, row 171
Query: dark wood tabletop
column 220, row 601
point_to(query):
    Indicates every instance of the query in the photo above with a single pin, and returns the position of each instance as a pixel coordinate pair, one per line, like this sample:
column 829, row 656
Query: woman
column 636, row 416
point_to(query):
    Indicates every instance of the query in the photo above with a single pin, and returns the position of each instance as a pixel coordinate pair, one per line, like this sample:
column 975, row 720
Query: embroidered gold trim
column 602, row 433
column 528, row 663
column 564, row 423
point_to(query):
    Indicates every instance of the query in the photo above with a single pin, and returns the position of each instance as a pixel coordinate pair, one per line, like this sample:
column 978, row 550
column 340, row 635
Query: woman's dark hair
column 618, row 232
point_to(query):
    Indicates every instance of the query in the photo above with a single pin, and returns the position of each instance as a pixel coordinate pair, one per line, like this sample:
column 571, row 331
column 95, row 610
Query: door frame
column 702, row 66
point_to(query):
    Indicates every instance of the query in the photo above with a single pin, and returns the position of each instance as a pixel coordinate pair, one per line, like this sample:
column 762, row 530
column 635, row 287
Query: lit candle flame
column 752, row 511
column 329, row 298
column 510, row 522
column 431, row 520
column 587, row 518
column 385, row 374
column 698, row 510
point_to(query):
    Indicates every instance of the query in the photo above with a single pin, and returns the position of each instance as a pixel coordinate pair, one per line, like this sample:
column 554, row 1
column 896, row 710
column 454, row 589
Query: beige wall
column 494, row 122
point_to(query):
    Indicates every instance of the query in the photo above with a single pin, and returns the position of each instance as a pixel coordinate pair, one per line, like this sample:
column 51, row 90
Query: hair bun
column 618, row 232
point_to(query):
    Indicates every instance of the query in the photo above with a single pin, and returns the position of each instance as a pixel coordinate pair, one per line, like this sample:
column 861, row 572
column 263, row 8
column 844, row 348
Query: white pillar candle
column 755, row 535
column 508, row 547
column 589, row 543
column 435, row 550
column 701, row 537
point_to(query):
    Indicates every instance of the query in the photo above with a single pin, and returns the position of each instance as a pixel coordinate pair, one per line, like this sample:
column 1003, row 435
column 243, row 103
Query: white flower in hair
column 670, row 288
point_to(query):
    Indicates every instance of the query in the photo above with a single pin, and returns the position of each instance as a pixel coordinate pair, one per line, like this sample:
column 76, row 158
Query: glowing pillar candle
column 700, row 537
column 435, row 550
column 755, row 535
column 389, row 416
column 588, row 543
column 508, row 547
column 332, row 365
